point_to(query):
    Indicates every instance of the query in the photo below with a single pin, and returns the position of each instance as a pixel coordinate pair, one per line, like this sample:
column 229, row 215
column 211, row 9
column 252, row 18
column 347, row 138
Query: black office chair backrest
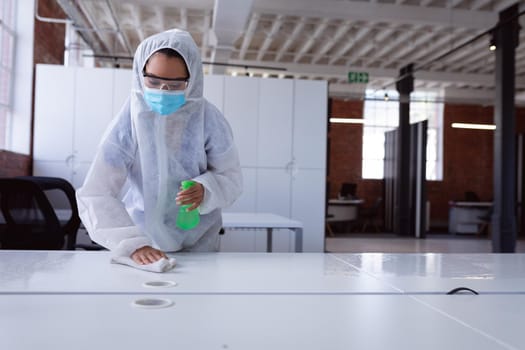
column 30, row 219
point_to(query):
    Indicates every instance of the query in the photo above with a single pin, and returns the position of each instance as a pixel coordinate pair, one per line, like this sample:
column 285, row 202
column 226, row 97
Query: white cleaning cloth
column 161, row 265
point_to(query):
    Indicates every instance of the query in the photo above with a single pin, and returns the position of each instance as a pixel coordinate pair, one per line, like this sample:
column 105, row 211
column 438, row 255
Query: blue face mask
column 164, row 102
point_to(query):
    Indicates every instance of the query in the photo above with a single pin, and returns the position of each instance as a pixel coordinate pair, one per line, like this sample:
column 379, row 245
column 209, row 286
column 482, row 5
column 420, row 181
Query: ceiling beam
column 269, row 37
column 478, row 4
column 380, row 12
column 453, row 3
column 192, row 4
column 441, row 46
column 206, row 25
column 229, row 20
column 289, row 41
column 311, row 39
column 500, row 6
column 421, row 40
column 353, row 40
column 248, row 35
column 342, row 30
column 425, row 3
column 184, row 18
column 368, row 46
column 392, row 43
column 463, row 58
column 340, row 72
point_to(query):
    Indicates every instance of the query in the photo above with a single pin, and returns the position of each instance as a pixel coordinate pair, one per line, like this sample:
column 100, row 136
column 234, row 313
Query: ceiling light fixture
column 347, row 120
column 474, row 126
column 492, row 45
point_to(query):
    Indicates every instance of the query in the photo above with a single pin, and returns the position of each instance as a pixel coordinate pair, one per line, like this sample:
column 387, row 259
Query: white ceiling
column 323, row 39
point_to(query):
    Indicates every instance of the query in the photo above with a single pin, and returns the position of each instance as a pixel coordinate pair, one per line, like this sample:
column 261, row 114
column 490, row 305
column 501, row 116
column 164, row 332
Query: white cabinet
column 241, row 98
column 308, row 206
column 279, row 127
column 310, row 122
column 54, row 113
column 73, row 107
column 121, row 88
column 93, row 110
column 214, row 90
column 274, row 127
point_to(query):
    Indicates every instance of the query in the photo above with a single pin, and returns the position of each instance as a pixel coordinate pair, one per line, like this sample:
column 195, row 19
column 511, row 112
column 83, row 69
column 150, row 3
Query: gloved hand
column 193, row 195
column 147, row 255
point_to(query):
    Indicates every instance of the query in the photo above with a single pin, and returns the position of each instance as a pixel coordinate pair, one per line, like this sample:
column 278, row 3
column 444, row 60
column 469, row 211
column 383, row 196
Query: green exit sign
column 358, row 77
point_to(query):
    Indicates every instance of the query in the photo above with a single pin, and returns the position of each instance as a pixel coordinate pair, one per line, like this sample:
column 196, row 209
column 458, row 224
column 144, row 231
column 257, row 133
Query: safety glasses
column 154, row 82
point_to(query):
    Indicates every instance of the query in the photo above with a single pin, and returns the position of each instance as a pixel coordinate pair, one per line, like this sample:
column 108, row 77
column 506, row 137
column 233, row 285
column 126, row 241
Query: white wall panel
column 93, row 110
column 241, row 96
column 52, row 168
column 54, row 112
column 310, row 122
column 214, row 90
column 121, row 88
column 273, row 196
column 308, row 205
column 246, row 202
column 273, row 191
column 274, row 145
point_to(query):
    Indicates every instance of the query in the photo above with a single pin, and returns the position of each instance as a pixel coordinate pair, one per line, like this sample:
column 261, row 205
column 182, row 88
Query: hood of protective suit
column 183, row 43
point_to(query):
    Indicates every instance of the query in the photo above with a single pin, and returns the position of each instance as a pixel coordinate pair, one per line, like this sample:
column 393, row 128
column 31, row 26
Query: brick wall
column 49, row 37
column 14, row 164
column 467, row 155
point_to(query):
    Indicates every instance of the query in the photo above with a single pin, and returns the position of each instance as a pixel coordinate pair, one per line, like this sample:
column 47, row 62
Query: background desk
column 266, row 221
column 255, row 221
column 464, row 216
column 343, row 209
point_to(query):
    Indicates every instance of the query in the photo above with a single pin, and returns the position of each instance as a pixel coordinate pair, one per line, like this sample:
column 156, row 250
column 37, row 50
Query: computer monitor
column 348, row 190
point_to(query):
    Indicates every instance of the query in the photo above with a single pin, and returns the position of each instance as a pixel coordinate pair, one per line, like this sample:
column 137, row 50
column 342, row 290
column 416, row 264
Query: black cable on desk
column 461, row 289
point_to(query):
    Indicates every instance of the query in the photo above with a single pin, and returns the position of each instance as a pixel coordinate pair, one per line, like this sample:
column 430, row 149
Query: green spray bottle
column 186, row 220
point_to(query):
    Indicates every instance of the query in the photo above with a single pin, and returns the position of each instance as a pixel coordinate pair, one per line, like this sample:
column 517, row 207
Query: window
column 7, row 44
column 381, row 114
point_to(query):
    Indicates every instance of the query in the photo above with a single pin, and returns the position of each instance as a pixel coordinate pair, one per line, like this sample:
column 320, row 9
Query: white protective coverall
column 128, row 198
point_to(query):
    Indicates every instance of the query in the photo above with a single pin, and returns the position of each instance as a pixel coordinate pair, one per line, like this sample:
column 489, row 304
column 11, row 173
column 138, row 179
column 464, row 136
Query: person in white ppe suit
column 165, row 133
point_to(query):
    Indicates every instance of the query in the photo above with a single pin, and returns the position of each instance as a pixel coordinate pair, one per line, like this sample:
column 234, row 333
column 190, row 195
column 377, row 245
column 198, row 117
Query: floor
column 391, row 243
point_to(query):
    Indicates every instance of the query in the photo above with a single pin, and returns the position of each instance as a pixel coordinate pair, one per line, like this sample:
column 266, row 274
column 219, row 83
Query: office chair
column 30, row 221
column 485, row 219
column 369, row 216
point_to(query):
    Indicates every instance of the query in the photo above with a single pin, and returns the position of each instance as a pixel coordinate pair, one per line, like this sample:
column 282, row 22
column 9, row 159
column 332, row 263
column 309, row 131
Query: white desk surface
column 346, row 201
column 259, row 220
column 502, row 316
column 91, row 272
column 87, row 322
column 440, row 273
